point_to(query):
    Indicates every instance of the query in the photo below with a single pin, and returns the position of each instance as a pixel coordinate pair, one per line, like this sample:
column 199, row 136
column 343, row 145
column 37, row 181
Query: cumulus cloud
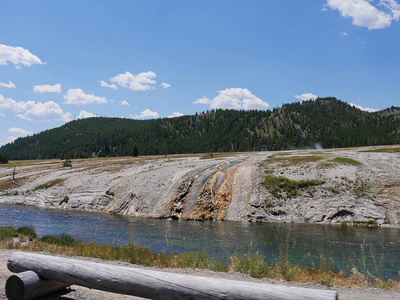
column 234, row 98
column 44, row 112
column 363, row 12
column 165, row 85
column 105, row 84
column 18, row 56
column 32, row 111
column 176, row 114
column 17, row 132
column 367, row 109
column 83, row 114
column 146, row 114
column 78, row 97
column 8, row 85
column 124, row 102
column 138, row 82
column 46, row 88
column 306, row 97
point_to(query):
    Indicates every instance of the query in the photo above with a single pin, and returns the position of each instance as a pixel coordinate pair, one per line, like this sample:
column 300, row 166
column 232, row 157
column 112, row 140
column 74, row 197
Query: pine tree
column 135, row 152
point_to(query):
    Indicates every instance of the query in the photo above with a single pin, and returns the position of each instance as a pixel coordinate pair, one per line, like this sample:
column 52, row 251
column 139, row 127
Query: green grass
column 49, row 184
column 293, row 160
column 346, row 161
column 385, row 150
column 282, row 187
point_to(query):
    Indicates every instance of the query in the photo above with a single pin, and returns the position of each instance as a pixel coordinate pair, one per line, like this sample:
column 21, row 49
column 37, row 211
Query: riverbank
column 77, row 293
column 334, row 186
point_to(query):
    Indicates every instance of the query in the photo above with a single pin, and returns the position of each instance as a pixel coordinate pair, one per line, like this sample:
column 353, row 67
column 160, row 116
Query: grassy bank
column 252, row 264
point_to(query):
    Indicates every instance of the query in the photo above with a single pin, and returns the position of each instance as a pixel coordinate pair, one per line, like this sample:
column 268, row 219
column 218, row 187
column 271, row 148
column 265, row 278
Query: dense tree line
column 328, row 122
column 3, row 159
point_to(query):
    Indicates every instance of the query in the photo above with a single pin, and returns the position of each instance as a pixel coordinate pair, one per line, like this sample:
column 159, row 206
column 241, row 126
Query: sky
column 66, row 60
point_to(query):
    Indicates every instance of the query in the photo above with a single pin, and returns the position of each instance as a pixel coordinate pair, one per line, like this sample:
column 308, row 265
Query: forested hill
column 328, row 122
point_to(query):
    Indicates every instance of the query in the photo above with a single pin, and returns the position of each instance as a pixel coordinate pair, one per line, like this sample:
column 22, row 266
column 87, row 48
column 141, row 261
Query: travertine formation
column 350, row 185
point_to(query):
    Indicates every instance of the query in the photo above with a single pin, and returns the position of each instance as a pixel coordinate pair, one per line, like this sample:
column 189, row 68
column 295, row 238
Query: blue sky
column 63, row 60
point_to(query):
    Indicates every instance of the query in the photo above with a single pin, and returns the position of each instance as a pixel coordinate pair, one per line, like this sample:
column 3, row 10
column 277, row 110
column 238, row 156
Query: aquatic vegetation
column 252, row 263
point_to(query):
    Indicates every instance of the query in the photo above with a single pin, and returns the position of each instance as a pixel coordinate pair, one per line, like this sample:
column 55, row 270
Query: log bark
column 154, row 284
column 28, row 285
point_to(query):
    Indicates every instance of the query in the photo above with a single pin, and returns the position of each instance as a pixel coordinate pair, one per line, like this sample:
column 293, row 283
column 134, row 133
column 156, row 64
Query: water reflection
column 342, row 247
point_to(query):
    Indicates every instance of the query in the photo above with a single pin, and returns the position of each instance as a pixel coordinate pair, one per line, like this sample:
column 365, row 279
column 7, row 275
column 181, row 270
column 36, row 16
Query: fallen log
column 28, row 285
column 154, row 284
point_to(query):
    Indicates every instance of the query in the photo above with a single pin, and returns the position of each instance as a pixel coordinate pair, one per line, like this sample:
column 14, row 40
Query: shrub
column 67, row 163
column 281, row 186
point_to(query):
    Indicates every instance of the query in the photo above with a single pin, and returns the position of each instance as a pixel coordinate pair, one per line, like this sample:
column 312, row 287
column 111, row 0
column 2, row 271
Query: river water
column 374, row 249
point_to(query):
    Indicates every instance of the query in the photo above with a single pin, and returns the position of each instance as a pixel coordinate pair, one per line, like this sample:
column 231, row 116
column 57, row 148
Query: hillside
column 327, row 122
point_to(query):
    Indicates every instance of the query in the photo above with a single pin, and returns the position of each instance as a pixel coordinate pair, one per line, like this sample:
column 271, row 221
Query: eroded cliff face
column 331, row 186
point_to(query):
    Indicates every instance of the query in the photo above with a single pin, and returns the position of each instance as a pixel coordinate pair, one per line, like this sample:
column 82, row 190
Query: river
column 374, row 249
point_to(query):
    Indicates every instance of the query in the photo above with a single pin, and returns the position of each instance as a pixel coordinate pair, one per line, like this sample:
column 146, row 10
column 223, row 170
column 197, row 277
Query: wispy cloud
column 78, row 97
column 8, row 85
column 46, row 88
column 165, row 85
column 146, row 114
column 364, row 14
column 234, row 98
column 139, row 82
column 306, row 97
column 105, row 84
column 18, row 56
column 124, row 102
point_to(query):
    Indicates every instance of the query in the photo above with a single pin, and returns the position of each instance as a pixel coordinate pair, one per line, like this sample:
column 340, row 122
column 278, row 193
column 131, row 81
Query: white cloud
column 17, row 133
column 105, row 84
column 146, row 114
column 44, row 112
column 47, row 88
column 8, row 85
column 234, row 98
column 2, row 115
column 125, row 103
column 306, row 97
column 176, row 114
column 165, row 85
column 32, row 111
column 363, row 13
column 17, row 56
column 138, row 82
column 203, row 100
column 344, row 34
column 367, row 109
column 78, row 97
column 83, row 114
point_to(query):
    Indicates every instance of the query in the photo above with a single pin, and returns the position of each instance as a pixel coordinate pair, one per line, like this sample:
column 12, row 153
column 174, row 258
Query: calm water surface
column 341, row 247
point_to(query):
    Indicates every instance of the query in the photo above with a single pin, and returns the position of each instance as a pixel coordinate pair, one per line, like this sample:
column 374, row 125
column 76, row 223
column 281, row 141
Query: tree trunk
column 28, row 285
column 153, row 284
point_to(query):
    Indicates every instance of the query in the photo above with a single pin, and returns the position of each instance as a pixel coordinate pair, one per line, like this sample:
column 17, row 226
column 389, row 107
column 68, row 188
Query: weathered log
column 28, row 285
column 153, row 284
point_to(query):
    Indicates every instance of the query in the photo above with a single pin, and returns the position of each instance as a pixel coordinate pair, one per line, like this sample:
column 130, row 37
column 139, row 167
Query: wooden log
column 28, row 285
column 154, row 284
